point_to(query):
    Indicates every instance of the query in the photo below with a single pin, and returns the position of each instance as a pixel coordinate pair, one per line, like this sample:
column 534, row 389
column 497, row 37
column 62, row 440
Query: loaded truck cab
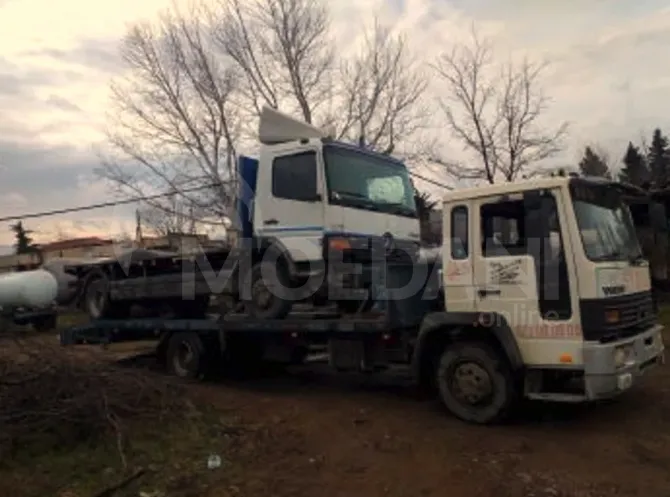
column 312, row 215
column 546, row 278
column 314, row 203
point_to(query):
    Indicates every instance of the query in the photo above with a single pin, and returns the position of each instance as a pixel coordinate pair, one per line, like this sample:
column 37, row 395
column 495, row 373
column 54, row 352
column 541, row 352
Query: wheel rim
column 183, row 357
column 96, row 297
column 261, row 295
column 471, row 384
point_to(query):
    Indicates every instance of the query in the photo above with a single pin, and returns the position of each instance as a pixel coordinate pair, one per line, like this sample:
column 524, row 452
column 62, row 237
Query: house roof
column 73, row 243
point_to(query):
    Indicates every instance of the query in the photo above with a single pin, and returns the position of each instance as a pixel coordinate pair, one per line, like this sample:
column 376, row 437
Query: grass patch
column 73, row 425
column 173, row 457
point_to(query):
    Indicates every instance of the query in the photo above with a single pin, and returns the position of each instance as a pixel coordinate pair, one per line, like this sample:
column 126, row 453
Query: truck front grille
column 636, row 314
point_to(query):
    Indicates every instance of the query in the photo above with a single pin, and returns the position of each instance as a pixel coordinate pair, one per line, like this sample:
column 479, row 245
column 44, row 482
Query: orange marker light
column 612, row 316
column 339, row 244
column 565, row 359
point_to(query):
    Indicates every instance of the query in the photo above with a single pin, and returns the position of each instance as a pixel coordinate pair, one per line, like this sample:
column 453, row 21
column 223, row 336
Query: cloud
column 607, row 76
column 99, row 54
column 62, row 104
column 39, row 178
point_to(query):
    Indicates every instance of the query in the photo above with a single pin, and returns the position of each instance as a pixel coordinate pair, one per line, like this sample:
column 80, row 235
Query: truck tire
column 226, row 304
column 185, row 356
column 267, row 284
column 97, row 302
column 475, row 383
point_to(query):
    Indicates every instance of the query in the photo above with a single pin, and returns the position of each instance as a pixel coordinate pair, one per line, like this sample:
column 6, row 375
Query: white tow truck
column 540, row 292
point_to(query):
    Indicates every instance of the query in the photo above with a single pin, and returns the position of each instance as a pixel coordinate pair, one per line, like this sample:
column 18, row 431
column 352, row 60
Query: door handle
column 483, row 293
column 271, row 221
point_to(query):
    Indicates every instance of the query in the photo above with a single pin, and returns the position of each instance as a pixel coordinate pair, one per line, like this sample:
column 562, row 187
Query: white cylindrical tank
column 37, row 288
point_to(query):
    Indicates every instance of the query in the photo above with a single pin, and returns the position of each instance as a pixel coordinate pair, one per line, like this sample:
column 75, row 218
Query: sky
column 608, row 77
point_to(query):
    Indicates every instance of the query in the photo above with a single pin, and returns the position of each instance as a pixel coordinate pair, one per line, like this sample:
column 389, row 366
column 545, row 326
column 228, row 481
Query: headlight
column 622, row 355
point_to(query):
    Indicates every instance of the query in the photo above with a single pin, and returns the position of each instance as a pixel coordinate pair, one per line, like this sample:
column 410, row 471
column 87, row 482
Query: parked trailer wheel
column 475, row 383
column 97, row 301
column 185, row 356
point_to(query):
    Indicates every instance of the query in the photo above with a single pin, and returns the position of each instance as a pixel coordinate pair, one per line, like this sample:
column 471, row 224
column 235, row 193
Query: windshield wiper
column 637, row 259
column 616, row 255
column 359, row 198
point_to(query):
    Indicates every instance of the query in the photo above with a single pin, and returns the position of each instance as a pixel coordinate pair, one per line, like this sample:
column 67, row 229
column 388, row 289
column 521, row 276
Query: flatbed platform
column 303, row 324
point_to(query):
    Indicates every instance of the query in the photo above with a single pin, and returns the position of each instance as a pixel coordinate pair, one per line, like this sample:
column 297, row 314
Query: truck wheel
column 474, row 383
column 268, row 283
column 185, row 356
column 97, row 302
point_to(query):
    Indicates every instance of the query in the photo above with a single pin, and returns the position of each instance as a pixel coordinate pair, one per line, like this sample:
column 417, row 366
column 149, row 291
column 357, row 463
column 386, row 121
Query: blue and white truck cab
column 317, row 203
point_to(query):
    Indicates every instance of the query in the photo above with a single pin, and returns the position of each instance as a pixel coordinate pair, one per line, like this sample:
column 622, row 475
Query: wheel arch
column 274, row 245
column 440, row 328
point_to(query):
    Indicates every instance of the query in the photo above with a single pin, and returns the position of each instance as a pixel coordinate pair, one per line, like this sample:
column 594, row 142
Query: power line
column 432, row 181
column 103, row 205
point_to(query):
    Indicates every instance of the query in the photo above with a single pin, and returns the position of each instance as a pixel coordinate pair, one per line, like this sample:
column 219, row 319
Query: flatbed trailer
column 193, row 348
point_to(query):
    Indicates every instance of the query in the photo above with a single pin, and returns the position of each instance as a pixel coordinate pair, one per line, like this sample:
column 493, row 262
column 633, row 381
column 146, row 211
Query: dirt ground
column 316, row 433
column 312, row 433
column 330, row 436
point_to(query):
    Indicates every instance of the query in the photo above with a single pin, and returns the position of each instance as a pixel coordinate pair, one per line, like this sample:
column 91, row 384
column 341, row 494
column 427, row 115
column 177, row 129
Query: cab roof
column 508, row 188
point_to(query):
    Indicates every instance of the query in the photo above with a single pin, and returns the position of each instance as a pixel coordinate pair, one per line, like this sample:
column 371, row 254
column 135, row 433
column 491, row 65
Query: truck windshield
column 361, row 180
column 605, row 224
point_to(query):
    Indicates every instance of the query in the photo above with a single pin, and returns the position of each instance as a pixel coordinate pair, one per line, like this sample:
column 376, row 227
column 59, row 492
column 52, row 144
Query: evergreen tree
column 635, row 170
column 593, row 164
column 659, row 159
column 24, row 243
column 424, row 205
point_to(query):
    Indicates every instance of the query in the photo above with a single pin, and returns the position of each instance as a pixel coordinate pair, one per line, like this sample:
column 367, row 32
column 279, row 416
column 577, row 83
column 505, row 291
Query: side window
column 552, row 270
column 460, row 243
column 294, row 177
column 502, row 228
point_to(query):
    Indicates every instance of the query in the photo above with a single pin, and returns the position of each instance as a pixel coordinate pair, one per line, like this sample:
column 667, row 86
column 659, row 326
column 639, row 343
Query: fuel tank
column 38, row 288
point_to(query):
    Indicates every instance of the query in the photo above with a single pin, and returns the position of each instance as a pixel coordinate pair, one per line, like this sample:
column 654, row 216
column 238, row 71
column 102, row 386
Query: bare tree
column 381, row 92
column 177, row 216
column 495, row 112
column 282, row 47
column 285, row 50
column 175, row 119
column 196, row 83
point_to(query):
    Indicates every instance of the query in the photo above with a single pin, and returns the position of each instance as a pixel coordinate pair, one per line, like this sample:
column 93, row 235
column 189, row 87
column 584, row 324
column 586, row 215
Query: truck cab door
column 522, row 274
column 288, row 206
column 457, row 257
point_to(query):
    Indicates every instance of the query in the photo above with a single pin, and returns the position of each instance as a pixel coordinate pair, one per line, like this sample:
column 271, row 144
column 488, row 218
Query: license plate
column 625, row 381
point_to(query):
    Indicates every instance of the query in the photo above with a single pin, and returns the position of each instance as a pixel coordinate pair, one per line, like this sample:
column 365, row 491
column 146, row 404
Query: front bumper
column 604, row 378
